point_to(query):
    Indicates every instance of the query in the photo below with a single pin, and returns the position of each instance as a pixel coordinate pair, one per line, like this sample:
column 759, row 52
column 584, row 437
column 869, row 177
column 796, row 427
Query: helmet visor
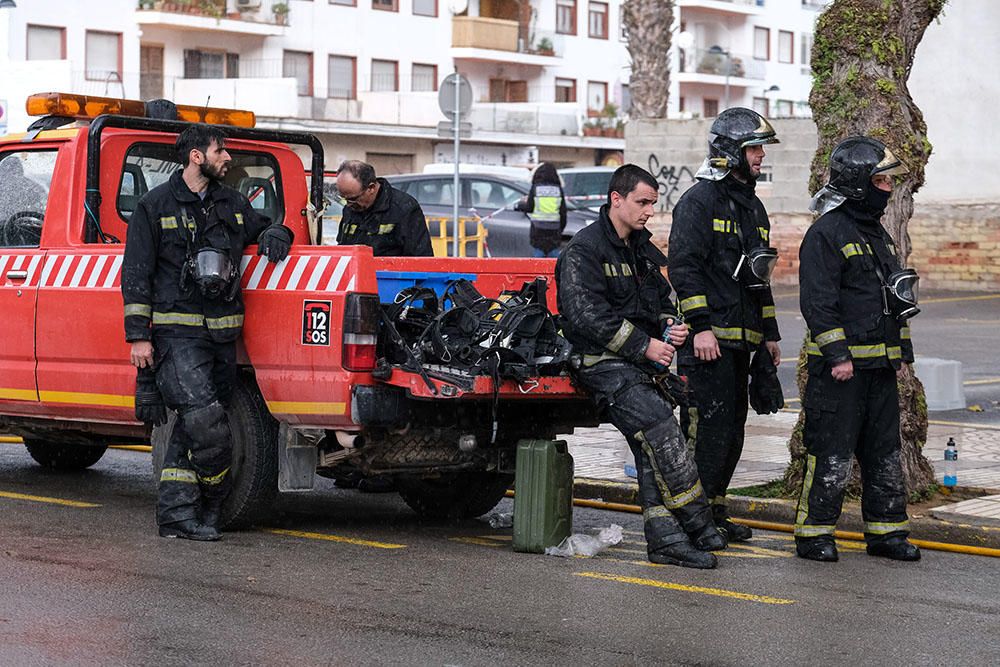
column 212, row 263
column 902, row 293
column 890, row 165
column 762, row 262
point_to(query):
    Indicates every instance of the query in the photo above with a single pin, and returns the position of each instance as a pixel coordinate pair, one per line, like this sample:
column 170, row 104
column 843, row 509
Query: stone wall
column 956, row 246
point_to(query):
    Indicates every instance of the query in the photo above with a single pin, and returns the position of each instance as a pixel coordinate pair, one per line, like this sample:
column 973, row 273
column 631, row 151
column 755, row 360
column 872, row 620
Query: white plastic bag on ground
column 587, row 546
column 499, row 519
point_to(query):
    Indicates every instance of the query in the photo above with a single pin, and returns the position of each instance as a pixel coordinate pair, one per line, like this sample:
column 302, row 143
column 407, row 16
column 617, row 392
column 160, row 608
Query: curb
column 966, row 529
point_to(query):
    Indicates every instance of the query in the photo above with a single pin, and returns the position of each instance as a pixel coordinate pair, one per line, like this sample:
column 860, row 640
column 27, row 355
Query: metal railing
column 719, row 62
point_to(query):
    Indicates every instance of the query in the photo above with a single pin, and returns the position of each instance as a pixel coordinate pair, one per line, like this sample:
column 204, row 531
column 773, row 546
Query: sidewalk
column 599, row 455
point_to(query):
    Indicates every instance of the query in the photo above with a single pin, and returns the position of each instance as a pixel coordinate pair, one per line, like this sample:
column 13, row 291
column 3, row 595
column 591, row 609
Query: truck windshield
column 25, row 177
column 148, row 165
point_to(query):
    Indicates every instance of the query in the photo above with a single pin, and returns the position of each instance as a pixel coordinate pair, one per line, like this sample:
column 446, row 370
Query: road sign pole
column 456, row 121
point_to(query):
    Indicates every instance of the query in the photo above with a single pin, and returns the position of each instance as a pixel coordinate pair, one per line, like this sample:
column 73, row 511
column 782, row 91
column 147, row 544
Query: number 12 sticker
column 316, row 322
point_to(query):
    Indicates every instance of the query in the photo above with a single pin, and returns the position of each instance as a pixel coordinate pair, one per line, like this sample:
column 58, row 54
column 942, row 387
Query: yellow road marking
column 334, row 538
column 46, row 499
column 736, row 595
column 728, row 554
column 942, row 422
column 478, row 541
column 759, row 552
column 984, row 381
column 948, row 299
column 132, row 448
column 11, row 438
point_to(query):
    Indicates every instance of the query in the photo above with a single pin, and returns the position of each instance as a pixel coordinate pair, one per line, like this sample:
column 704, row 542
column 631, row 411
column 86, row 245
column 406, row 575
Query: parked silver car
column 586, row 187
column 490, row 197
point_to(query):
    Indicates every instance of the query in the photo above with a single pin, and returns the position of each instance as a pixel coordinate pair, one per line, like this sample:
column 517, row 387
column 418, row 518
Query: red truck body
column 64, row 365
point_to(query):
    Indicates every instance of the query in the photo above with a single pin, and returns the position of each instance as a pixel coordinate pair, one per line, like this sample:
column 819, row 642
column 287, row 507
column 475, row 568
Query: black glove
column 765, row 389
column 275, row 242
column 149, row 407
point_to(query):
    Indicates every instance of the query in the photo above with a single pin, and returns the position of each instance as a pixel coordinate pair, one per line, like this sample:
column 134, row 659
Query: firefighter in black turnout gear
column 855, row 300
column 183, row 315
column 616, row 309
column 720, row 261
column 378, row 215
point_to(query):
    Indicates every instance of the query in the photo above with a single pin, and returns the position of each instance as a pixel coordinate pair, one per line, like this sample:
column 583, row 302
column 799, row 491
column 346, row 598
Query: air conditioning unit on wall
column 247, row 5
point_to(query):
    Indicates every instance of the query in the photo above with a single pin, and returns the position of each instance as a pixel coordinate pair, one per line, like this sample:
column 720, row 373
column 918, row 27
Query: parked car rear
column 490, row 197
column 586, row 187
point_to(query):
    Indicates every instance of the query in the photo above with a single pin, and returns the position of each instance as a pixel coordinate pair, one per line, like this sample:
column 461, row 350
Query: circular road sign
column 446, row 95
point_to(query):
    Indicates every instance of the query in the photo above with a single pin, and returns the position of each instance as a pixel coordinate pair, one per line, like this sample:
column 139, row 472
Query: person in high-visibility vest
column 546, row 208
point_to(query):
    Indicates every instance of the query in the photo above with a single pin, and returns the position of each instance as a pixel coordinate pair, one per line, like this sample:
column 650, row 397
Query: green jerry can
column 543, row 495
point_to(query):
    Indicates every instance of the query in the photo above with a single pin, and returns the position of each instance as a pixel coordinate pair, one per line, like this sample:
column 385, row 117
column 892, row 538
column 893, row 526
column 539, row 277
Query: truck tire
column 454, row 496
column 255, row 456
column 64, row 456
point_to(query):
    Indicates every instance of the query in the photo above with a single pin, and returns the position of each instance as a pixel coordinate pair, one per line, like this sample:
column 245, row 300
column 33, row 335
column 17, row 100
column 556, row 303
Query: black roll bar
column 93, row 232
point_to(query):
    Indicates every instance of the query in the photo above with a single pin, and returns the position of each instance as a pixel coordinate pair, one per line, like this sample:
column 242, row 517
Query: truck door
column 25, row 176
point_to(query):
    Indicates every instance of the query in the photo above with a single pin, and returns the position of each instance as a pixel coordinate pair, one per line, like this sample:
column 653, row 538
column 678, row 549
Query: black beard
column 210, row 172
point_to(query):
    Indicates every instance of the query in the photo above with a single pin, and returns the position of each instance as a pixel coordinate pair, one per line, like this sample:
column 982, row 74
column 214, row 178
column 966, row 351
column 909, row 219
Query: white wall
column 954, row 83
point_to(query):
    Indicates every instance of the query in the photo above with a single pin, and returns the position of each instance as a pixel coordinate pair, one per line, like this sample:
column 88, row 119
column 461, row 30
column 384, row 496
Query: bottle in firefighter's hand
column 951, row 463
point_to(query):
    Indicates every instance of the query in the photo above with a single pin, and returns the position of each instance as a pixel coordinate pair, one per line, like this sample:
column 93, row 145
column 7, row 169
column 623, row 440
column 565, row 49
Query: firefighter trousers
column 857, row 418
column 716, row 420
column 195, row 377
column 673, row 502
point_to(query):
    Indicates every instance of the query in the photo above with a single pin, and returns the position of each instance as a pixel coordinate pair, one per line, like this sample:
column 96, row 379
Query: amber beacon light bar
column 88, row 107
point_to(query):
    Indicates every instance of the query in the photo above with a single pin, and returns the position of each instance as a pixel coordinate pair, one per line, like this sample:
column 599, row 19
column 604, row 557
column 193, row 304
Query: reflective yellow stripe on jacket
column 196, row 320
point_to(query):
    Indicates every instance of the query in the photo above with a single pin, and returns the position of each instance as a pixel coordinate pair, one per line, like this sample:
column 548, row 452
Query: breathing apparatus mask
column 213, row 272
column 900, row 294
column 755, row 267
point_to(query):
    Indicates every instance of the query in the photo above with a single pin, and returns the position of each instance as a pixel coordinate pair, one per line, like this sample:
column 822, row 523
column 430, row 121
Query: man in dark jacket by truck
column 378, row 215
column 616, row 310
column 183, row 315
column 720, row 263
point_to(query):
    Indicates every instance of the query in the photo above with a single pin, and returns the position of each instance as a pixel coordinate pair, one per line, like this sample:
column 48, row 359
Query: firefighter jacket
column 546, row 209
column 841, row 295
column 612, row 296
column 393, row 226
column 169, row 225
column 714, row 224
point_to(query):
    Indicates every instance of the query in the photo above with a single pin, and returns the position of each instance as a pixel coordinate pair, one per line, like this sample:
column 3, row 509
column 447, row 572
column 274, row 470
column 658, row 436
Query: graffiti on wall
column 673, row 180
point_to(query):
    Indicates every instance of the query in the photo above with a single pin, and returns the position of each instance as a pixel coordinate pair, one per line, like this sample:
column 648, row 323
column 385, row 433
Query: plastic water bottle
column 951, row 463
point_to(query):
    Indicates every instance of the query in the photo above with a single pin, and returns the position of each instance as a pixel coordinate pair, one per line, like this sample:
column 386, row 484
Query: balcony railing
column 477, row 32
column 714, row 61
column 270, row 12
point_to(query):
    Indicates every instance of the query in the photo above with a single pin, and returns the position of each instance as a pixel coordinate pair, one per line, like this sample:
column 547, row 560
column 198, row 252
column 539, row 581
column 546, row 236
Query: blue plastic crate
column 390, row 283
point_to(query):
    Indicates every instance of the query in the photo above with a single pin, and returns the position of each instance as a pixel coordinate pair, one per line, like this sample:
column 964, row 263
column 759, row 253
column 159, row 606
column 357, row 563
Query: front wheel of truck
column 254, row 468
column 456, row 495
column 64, row 456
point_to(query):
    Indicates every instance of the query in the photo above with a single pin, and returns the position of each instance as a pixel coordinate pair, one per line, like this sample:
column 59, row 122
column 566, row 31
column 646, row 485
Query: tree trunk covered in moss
column 648, row 25
column 861, row 60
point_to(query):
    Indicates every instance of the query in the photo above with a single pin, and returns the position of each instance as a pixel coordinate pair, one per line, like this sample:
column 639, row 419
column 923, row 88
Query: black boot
column 823, row 549
column 897, row 548
column 189, row 529
column 211, row 513
column 685, row 555
column 734, row 532
column 709, row 538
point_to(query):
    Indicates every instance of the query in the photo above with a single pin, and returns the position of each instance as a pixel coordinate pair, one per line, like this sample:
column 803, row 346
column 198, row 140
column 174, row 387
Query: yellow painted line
column 334, row 538
column 10, row 438
column 942, row 422
column 478, row 541
column 949, row 299
column 132, row 448
column 46, row 499
column 306, row 408
column 984, row 381
column 18, row 394
column 80, row 398
column 720, row 592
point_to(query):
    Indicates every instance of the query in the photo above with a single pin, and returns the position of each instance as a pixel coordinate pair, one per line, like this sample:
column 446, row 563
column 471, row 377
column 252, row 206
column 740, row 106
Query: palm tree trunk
column 648, row 25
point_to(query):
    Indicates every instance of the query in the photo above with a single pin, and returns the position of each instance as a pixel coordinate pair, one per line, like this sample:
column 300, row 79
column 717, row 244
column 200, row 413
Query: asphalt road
column 952, row 325
column 343, row 578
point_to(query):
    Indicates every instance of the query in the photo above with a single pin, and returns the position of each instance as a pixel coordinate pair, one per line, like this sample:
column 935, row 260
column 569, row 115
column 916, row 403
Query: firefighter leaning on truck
column 183, row 315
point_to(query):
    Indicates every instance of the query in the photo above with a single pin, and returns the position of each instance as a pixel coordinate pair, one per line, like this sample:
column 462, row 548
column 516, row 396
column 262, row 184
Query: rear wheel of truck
column 255, row 456
column 456, row 495
column 64, row 456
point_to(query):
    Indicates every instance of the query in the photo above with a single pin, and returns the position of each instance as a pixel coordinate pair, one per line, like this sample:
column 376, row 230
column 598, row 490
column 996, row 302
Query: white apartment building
column 549, row 77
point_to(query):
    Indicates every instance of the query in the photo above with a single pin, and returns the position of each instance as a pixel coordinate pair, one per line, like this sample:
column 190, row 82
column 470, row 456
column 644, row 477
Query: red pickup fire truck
column 308, row 402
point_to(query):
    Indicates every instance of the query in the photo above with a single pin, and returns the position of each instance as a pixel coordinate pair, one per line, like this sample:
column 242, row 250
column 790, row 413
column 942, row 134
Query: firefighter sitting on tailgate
column 183, row 315
column 856, row 301
column 615, row 308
